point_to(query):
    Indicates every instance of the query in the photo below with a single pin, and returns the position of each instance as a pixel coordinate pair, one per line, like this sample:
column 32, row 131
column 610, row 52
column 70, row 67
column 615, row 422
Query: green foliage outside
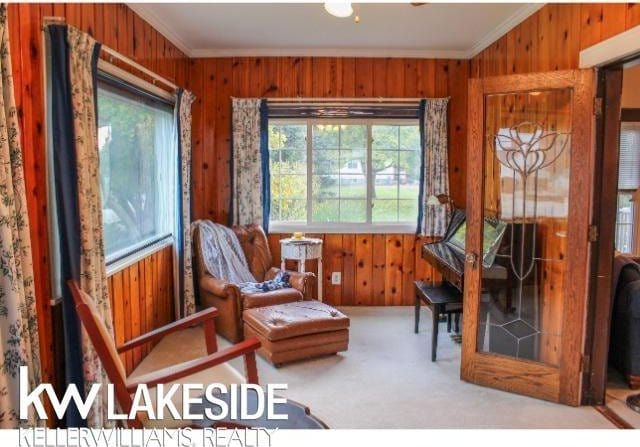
column 339, row 177
column 128, row 170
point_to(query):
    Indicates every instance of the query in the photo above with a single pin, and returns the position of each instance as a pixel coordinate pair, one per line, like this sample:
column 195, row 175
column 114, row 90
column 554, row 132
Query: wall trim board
column 329, row 52
column 618, row 47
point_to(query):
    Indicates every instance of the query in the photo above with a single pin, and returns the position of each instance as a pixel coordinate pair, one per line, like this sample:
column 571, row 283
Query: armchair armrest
column 302, row 282
column 192, row 320
column 175, row 372
column 218, row 287
column 299, row 281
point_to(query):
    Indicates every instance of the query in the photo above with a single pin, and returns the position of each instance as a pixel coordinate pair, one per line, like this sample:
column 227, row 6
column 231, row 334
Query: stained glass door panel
column 526, row 183
column 527, row 224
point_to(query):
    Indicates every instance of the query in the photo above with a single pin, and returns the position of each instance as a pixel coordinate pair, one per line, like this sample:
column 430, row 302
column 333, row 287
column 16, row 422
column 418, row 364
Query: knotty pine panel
column 142, row 300
column 377, row 269
column 116, row 26
column 552, row 38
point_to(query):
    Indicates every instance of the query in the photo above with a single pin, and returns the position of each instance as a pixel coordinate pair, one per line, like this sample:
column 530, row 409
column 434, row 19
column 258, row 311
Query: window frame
column 368, row 227
column 132, row 86
column 125, row 257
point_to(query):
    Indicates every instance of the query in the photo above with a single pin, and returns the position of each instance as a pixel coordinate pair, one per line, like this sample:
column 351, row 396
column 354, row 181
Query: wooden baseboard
column 613, row 417
column 634, row 382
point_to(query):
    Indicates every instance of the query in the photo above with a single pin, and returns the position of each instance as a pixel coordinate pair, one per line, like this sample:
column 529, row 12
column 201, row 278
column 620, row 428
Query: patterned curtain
column 250, row 167
column 184, row 251
column 74, row 57
column 434, row 217
column 18, row 323
column 83, row 53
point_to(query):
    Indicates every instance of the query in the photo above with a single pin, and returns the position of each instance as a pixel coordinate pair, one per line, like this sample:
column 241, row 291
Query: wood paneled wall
column 116, row 26
column 376, row 269
column 552, row 38
column 142, row 300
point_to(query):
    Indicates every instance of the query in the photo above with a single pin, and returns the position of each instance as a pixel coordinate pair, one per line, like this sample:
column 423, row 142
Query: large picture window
column 137, row 144
column 344, row 175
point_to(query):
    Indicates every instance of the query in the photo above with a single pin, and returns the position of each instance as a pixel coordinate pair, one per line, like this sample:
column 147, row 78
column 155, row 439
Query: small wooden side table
column 300, row 250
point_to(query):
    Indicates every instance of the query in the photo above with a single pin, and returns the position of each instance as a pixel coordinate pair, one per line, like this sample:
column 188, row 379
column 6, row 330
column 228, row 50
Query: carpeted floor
column 386, row 380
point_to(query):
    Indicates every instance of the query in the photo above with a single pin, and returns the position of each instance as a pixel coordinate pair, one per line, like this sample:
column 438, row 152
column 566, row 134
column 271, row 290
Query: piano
column 448, row 256
column 447, row 259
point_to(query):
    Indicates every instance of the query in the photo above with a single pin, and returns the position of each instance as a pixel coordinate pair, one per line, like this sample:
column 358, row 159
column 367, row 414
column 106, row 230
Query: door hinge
column 597, row 106
column 593, row 233
column 585, row 363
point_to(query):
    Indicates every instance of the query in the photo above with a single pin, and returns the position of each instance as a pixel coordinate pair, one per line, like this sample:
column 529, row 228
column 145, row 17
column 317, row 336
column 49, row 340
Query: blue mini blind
column 354, row 110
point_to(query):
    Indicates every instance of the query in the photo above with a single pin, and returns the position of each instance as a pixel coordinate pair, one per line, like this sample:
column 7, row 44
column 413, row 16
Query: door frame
column 563, row 383
column 601, row 289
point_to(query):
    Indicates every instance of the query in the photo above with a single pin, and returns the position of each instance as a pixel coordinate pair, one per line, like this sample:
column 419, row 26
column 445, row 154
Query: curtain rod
column 46, row 21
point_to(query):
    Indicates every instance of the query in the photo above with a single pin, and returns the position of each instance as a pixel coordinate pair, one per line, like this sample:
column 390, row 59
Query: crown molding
column 329, row 52
column 146, row 13
column 518, row 17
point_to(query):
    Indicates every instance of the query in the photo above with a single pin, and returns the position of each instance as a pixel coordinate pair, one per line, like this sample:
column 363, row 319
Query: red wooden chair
column 124, row 387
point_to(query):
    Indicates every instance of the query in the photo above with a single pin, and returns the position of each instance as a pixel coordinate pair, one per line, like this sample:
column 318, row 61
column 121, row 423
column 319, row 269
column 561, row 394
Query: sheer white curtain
column 166, row 145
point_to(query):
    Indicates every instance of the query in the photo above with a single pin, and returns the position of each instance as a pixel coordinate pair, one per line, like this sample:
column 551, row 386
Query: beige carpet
column 386, row 380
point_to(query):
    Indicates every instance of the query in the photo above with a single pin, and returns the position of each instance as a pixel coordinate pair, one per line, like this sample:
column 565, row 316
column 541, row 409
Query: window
column 628, row 183
column 137, row 144
column 344, row 175
column 138, row 163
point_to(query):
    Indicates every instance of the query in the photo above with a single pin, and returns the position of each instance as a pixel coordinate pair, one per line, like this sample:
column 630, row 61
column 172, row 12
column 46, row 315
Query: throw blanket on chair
column 224, row 259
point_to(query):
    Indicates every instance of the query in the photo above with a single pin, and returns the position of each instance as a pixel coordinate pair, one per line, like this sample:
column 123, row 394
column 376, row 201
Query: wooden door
column 530, row 158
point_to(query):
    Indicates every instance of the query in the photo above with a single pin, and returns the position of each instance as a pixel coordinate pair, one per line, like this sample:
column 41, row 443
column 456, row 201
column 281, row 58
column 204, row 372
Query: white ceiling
column 453, row 30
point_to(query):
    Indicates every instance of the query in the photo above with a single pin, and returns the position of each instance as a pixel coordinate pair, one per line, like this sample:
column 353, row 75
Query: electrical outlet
column 336, row 278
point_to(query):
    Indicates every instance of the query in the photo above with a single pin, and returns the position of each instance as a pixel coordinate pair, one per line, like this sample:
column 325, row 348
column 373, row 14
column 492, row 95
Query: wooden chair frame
column 108, row 352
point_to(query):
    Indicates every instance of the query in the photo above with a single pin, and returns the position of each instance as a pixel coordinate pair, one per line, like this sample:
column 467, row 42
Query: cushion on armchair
column 273, row 297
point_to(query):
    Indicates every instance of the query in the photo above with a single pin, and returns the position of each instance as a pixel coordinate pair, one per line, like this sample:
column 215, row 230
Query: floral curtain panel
column 83, row 58
column 434, row 216
column 74, row 57
column 18, row 324
column 184, row 251
column 250, row 176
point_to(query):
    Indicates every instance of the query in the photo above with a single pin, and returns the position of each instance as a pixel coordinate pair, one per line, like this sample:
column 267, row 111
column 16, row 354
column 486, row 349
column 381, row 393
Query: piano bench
column 444, row 299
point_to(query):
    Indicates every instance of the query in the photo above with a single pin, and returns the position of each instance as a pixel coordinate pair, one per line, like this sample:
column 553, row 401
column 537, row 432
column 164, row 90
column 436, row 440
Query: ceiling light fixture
column 339, row 9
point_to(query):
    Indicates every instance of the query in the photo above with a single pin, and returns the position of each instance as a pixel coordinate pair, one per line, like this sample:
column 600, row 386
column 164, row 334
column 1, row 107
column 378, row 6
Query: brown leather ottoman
column 295, row 331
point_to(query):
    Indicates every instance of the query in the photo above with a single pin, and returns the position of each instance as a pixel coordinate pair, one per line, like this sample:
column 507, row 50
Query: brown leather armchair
column 228, row 299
